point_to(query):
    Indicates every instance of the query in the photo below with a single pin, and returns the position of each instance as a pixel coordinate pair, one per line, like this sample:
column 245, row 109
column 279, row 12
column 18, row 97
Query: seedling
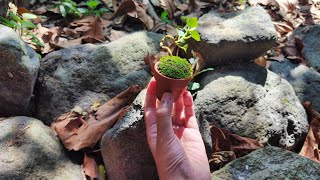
column 91, row 8
column 67, row 7
column 22, row 25
column 175, row 66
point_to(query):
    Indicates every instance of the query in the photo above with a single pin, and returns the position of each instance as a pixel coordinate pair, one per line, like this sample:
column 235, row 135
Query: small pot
column 167, row 84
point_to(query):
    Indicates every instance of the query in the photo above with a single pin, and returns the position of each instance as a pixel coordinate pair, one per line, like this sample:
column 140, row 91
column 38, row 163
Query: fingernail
column 167, row 98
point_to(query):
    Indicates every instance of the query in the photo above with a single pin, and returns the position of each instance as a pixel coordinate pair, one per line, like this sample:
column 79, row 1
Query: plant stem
column 166, row 47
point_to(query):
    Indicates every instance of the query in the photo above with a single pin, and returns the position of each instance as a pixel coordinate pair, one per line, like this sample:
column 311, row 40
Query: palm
column 173, row 136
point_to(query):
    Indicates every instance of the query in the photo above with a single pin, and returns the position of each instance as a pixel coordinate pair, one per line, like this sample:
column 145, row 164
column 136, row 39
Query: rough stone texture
column 254, row 102
column 269, row 163
column 124, row 148
column 234, row 37
column 30, row 150
column 83, row 74
column 305, row 81
column 19, row 67
column 309, row 37
column 3, row 7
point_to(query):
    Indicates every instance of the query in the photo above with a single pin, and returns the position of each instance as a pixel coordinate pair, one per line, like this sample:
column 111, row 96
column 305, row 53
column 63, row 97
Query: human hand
column 173, row 136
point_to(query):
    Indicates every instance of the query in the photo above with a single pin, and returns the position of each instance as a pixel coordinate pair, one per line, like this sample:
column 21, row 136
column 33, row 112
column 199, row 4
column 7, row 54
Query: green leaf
column 164, row 17
column 15, row 24
column 92, row 4
column 29, row 16
column 185, row 47
column 195, row 35
column 180, row 33
column 8, row 23
column 204, row 70
column 83, row 10
column 104, row 10
column 192, row 22
column 14, row 17
column 28, row 24
column 69, row 5
column 36, row 40
column 63, row 11
column 193, row 86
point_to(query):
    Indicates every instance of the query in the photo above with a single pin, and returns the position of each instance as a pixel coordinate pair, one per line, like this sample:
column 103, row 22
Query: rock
column 253, row 102
column 305, row 81
column 124, row 148
column 3, row 7
column 81, row 75
column 30, row 150
column 309, row 37
column 269, row 163
column 234, row 37
column 19, row 67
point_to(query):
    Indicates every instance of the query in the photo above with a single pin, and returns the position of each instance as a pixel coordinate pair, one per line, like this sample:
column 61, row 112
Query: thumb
column 164, row 121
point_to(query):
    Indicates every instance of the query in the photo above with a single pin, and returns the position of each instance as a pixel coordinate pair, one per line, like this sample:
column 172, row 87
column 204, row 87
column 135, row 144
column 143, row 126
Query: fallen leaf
column 114, row 34
column 76, row 133
column 90, row 168
column 94, row 34
column 220, row 159
column 71, row 33
column 68, row 43
column 169, row 6
column 261, row 61
column 310, row 147
column 227, row 146
column 135, row 10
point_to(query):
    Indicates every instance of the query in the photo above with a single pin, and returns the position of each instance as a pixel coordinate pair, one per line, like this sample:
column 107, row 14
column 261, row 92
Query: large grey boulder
column 253, row 102
column 124, row 147
column 269, row 163
column 228, row 38
column 309, row 37
column 19, row 67
column 81, row 75
column 30, row 150
column 305, row 81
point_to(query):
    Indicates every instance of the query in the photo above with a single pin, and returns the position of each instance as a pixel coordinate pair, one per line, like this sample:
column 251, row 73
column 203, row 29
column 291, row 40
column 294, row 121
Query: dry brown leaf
column 94, row 34
column 71, row 33
column 261, row 61
column 310, row 147
column 169, row 6
column 68, row 43
column 48, row 36
column 90, row 168
column 76, row 133
column 220, row 159
column 135, row 10
column 222, row 140
column 40, row 10
column 114, row 34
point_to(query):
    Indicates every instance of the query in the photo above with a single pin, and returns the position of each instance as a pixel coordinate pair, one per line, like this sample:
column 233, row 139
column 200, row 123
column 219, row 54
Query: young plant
column 176, row 67
column 67, row 7
column 91, row 8
column 22, row 25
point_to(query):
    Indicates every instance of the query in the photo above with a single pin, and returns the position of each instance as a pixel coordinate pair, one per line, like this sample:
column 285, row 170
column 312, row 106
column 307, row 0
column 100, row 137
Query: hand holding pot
column 173, row 136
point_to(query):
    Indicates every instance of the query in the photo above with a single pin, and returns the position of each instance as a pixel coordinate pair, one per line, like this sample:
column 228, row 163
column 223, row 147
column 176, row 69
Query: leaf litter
column 81, row 131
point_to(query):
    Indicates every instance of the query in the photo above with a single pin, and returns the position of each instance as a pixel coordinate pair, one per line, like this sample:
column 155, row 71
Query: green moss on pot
column 175, row 67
